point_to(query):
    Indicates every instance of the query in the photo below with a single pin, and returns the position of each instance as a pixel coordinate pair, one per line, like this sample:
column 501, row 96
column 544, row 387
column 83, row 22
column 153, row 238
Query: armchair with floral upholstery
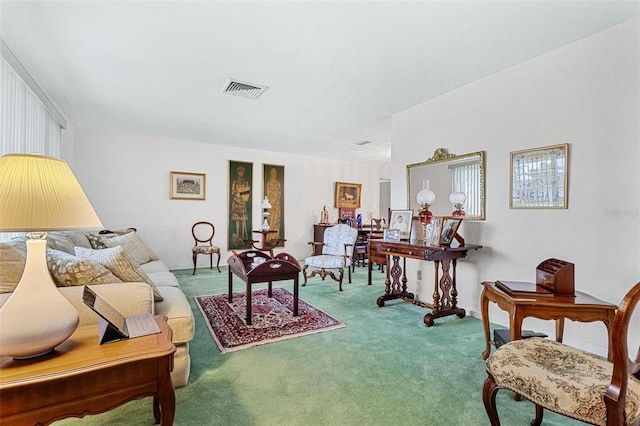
column 570, row 381
column 336, row 253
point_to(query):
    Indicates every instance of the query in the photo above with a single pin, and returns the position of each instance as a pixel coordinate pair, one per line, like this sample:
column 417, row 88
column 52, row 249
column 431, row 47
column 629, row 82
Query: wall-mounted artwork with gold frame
column 240, row 205
column 539, row 178
column 187, row 186
column 273, row 188
column 348, row 195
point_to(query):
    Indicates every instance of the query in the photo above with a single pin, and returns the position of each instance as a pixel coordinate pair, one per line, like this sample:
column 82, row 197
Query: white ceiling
column 336, row 71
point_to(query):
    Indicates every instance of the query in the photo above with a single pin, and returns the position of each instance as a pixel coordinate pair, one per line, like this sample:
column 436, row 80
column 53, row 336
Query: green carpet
column 384, row 368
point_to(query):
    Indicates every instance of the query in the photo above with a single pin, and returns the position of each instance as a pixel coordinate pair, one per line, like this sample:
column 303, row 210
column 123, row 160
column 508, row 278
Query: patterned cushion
column 11, row 266
column 117, row 261
column 560, row 378
column 133, row 246
column 68, row 270
column 95, row 241
column 327, row 262
column 205, row 249
column 59, row 241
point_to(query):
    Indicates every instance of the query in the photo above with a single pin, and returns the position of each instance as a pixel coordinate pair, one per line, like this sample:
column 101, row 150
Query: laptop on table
column 114, row 326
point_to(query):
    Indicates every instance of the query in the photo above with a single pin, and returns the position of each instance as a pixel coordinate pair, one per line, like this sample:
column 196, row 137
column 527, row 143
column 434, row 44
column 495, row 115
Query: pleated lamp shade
column 39, row 194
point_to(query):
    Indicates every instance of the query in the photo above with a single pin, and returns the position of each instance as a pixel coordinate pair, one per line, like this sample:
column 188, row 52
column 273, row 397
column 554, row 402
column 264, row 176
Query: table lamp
column 266, row 205
column 457, row 199
column 39, row 194
column 425, row 198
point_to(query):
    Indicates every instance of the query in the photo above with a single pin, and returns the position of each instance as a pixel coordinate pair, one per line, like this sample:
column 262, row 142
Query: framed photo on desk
column 450, row 227
column 401, row 220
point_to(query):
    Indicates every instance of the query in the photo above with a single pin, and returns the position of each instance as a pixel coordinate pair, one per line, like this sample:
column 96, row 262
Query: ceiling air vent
column 242, row 89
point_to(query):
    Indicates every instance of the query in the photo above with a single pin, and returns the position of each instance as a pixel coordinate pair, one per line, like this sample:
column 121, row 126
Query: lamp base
column 37, row 317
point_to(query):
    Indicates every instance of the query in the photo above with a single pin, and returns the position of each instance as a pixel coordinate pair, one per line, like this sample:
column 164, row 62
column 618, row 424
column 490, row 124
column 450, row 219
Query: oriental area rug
column 272, row 319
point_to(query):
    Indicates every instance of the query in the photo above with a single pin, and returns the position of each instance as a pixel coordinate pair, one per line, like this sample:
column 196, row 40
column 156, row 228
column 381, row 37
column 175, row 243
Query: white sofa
column 130, row 298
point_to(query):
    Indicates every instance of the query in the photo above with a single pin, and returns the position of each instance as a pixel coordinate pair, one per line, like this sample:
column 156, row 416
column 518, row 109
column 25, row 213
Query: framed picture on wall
column 539, row 178
column 273, row 189
column 348, row 195
column 240, row 205
column 187, row 186
column 345, row 213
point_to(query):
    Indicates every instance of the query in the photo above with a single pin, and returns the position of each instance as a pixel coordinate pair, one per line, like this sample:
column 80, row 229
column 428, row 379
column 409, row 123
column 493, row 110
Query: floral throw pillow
column 68, row 270
column 117, row 261
column 95, row 241
column 133, row 246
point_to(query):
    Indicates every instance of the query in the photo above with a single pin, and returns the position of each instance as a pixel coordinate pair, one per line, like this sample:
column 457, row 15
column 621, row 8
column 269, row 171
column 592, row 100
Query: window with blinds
column 27, row 125
column 466, row 179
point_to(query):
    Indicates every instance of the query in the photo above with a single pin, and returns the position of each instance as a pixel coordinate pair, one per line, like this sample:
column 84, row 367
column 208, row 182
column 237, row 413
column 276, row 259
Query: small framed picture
column 401, row 220
column 450, row 227
column 188, row 186
column 435, row 231
column 392, row 234
column 347, row 213
column 417, row 230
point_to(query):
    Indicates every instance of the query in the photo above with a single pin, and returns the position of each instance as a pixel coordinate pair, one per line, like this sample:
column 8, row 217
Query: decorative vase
column 37, row 317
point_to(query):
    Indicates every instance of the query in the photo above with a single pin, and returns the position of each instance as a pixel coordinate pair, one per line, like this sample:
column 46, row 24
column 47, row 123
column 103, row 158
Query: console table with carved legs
column 445, row 291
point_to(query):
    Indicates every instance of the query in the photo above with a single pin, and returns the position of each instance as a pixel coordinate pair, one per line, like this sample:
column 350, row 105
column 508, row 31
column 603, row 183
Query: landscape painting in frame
column 273, row 188
column 348, row 195
column 188, row 186
column 240, row 205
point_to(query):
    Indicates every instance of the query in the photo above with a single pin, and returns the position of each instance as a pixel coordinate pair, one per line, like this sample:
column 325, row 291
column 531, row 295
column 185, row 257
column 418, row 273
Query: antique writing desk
column 581, row 307
column 445, row 292
column 281, row 267
column 82, row 377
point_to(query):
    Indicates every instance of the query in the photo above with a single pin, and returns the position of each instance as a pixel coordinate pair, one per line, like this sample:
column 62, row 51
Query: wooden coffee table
column 281, row 267
column 82, row 377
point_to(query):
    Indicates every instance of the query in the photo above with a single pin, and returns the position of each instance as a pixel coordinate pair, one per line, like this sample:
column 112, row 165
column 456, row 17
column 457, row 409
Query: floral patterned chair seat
column 337, row 253
column 570, row 381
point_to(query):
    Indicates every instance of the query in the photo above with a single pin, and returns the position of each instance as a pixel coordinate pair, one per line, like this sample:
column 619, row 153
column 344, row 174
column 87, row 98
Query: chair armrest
column 314, row 247
column 346, row 246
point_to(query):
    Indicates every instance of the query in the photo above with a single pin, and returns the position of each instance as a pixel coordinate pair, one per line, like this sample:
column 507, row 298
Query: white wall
column 126, row 178
column 586, row 94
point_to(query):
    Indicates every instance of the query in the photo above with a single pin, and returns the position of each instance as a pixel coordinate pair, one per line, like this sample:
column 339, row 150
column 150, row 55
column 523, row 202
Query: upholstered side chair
column 203, row 233
column 569, row 381
column 335, row 254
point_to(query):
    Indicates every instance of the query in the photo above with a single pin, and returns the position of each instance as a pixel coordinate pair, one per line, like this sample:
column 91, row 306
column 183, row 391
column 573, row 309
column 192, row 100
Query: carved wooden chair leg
column 218, row 264
column 304, row 274
column 489, row 390
column 349, row 275
column 195, row 261
column 341, row 276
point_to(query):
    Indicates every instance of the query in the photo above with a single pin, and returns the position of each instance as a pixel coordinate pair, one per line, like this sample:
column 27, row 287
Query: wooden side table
column 82, row 377
column 582, row 307
column 445, row 291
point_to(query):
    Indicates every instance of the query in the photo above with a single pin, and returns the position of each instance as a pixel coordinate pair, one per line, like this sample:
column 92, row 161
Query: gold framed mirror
column 445, row 173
